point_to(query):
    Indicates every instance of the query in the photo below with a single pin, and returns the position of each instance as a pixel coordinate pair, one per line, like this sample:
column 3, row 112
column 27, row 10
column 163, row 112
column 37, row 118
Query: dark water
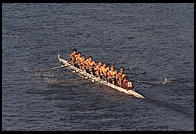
column 155, row 41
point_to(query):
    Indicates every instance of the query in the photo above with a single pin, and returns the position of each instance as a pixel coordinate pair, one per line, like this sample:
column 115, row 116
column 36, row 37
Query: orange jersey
column 73, row 56
column 112, row 73
column 78, row 58
column 90, row 63
column 104, row 70
column 121, row 75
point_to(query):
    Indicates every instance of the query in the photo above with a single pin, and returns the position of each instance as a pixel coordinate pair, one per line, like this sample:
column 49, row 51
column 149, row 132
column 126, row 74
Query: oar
column 61, row 66
column 137, row 73
column 139, row 81
column 56, row 67
column 51, row 68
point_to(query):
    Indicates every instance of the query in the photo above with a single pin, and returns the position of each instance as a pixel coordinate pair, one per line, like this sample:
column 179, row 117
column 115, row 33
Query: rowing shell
column 83, row 73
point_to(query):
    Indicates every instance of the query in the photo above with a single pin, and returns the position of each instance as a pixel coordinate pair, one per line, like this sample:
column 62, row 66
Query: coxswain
column 127, row 84
column 112, row 75
column 90, row 65
column 103, row 71
column 120, row 76
column 73, row 56
column 98, row 68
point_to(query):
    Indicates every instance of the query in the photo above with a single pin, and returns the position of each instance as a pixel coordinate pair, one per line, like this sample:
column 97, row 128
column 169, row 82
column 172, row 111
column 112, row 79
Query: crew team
column 101, row 70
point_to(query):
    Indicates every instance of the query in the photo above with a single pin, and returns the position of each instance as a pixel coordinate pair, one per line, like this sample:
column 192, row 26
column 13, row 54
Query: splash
column 166, row 80
column 50, row 81
column 28, row 70
column 159, row 82
column 131, row 67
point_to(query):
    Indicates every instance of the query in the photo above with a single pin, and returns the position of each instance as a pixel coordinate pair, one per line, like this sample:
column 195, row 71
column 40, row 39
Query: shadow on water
column 171, row 106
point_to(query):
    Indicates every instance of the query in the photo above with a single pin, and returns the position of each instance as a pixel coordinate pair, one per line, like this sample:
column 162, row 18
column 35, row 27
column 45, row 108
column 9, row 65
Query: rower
column 98, row 68
column 78, row 59
column 90, row 65
column 82, row 63
column 120, row 76
column 103, row 71
column 127, row 84
column 112, row 75
column 73, row 56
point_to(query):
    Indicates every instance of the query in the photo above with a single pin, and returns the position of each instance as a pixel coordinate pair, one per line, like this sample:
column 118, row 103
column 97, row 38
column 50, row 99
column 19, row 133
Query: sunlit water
column 153, row 42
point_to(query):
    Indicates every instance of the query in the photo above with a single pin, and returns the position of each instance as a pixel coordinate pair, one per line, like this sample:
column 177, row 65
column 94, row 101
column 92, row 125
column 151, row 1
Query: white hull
column 96, row 79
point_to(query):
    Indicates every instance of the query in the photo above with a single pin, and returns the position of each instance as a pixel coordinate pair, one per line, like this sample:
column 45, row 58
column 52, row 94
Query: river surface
column 153, row 42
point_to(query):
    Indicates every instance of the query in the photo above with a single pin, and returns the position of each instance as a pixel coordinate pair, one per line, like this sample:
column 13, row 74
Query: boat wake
column 44, row 75
column 41, row 70
column 52, row 82
column 32, row 70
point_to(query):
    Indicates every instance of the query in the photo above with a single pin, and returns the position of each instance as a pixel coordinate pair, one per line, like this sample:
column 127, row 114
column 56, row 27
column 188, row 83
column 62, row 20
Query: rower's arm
column 96, row 68
column 86, row 63
column 101, row 71
column 117, row 76
column 94, row 63
column 108, row 74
